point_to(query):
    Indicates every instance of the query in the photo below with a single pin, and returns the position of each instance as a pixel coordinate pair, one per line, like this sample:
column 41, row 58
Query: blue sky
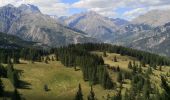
column 127, row 9
column 69, row 1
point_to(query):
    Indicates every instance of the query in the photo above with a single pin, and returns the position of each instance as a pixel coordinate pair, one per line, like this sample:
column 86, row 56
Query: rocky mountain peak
column 28, row 8
column 8, row 6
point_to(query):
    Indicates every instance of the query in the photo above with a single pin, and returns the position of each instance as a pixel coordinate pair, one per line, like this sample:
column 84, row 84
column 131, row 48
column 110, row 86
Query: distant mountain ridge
column 95, row 25
column 27, row 22
column 159, row 42
column 148, row 32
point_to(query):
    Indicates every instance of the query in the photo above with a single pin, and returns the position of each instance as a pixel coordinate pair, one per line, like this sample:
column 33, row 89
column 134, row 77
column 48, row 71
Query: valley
column 84, row 50
column 63, row 81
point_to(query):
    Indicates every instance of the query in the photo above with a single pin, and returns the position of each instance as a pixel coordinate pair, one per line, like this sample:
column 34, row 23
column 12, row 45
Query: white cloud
column 51, row 7
column 108, row 8
column 134, row 13
column 140, row 11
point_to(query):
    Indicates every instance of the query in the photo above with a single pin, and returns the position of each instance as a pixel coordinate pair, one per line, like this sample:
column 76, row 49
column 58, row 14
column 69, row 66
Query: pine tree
column 149, row 71
column 57, row 58
column 130, row 65
column 160, row 68
column 119, row 77
column 134, row 69
column 166, row 87
column 91, row 96
column 126, row 96
column 12, row 75
column 134, row 63
column 10, row 69
column 52, row 58
column 16, row 58
column 75, row 68
column 140, row 69
column 115, row 59
column 118, row 68
column 1, row 88
column 3, row 71
column 104, row 54
column 79, row 95
column 146, row 89
column 46, row 87
column 154, row 66
column 16, row 95
column 46, row 60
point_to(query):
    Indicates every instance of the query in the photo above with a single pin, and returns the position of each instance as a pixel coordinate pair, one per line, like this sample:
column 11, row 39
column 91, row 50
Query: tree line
column 91, row 65
column 30, row 54
column 144, row 57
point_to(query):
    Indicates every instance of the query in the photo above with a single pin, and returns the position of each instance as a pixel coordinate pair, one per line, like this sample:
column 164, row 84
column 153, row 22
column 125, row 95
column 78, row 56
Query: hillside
column 128, row 74
column 155, row 40
column 62, row 80
column 10, row 41
column 28, row 23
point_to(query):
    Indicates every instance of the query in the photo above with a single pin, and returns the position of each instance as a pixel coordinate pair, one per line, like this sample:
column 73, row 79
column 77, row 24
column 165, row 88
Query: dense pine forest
column 94, row 70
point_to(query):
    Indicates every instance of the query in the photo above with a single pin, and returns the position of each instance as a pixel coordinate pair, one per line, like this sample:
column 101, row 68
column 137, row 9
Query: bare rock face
column 155, row 40
column 95, row 25
column 30, row 24
column 154, row 18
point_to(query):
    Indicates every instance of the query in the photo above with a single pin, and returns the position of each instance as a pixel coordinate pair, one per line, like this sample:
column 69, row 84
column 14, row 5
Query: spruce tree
column 118, row 68
column 166, row 87
column 46, row 60
column 16, row 95
column 91, row 96
column 79, row 95
column 3, row 71
column 104, row 54
column 1, row 88
column 160, row 68
column 46, row 88
column 52, row 58
column 140, row 69
column 149, row 71
column 130, row 65
column 119, row 77
column 146, row 89
column 126, row 96
column 115, row 59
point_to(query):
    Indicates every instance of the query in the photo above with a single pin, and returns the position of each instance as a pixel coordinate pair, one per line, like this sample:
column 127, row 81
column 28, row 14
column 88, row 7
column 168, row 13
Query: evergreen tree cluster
column 1, row 88
column 12, row 75
column 79, row 94
column 91, row 65
column 3, row 71
column 5, row 54
column 30, row 54
column 144, row 57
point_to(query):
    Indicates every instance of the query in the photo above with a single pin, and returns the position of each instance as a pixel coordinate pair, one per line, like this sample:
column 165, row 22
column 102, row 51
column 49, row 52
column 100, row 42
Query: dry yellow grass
column 63, row 82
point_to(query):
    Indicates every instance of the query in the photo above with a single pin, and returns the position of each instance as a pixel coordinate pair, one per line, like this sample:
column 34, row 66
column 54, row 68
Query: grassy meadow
column 63, row 82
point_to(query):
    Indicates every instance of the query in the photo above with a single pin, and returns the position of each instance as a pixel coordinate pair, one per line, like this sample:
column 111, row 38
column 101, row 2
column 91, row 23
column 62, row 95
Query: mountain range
column 95, row 25
column 149, row 32
column 27, row 22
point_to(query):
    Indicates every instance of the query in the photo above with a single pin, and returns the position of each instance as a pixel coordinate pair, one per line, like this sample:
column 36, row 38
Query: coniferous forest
column 94, row 70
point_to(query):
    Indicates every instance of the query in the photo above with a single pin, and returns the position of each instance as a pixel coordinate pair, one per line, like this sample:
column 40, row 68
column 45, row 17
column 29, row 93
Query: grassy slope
column 63, row 82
